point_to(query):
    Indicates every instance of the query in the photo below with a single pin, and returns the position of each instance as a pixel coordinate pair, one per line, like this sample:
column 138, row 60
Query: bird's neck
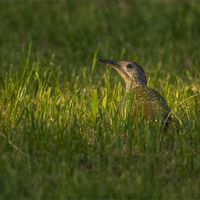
column 131, row 84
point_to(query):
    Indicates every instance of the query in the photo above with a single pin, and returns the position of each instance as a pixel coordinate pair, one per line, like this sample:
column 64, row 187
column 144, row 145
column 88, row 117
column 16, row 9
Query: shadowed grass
column 61, row 134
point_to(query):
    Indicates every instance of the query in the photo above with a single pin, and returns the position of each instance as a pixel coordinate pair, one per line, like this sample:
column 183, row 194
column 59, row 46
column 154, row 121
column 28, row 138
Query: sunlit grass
column 61, row 133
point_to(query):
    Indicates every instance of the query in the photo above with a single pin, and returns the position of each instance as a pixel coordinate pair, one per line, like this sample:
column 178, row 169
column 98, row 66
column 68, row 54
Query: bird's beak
column 111, row 63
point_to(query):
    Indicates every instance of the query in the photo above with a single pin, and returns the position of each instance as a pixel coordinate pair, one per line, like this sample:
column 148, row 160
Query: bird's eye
column 129, row 66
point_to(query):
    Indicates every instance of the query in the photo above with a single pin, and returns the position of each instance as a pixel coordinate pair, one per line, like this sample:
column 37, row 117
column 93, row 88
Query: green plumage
column 149, row 101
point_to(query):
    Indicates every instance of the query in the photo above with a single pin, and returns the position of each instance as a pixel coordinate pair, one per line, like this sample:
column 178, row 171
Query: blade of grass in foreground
column 94, row 62
column 94, row 107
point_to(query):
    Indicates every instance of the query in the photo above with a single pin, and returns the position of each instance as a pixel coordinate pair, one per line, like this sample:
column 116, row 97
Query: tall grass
column 60, row 130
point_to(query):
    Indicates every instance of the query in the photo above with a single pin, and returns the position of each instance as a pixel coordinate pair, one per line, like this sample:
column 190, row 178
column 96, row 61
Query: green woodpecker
column 148, row 100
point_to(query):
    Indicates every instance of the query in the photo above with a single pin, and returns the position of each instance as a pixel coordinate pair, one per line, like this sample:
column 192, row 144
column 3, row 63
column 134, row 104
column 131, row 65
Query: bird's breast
column 148, row 101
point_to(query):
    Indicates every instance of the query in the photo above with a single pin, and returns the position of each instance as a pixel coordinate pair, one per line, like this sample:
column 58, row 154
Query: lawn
column 61, row 135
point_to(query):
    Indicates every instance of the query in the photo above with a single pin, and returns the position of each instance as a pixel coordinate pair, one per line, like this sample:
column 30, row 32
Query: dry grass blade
column 178, row 106
column 14, row 146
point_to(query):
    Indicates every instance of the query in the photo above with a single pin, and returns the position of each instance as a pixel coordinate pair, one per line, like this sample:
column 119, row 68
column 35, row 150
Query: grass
column 61, row 135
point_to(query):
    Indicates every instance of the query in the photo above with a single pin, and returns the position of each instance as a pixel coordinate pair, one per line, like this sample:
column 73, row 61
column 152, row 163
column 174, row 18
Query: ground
column 61, row 135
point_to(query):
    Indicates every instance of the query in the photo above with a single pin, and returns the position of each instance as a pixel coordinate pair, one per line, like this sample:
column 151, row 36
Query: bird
column 149, row 101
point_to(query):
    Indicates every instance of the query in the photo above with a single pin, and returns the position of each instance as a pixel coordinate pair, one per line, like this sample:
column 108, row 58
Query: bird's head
column 131, row 72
